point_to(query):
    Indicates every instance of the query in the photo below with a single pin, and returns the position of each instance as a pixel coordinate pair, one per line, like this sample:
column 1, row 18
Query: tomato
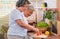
column 39, row 33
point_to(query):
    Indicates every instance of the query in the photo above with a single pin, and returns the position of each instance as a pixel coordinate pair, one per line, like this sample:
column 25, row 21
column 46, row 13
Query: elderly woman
column 18, row 24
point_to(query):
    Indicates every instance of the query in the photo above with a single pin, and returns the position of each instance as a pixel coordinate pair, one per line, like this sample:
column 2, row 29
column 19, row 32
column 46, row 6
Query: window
column 6, row 6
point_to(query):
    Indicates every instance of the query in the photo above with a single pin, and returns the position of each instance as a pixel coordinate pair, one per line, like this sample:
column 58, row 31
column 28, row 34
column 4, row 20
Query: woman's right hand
column 36, row 30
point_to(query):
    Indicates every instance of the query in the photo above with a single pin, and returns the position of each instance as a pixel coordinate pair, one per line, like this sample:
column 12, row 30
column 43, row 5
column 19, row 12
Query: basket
column 42, row 29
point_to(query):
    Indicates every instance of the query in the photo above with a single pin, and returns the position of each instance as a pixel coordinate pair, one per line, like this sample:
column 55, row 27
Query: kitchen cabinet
column 58, row 21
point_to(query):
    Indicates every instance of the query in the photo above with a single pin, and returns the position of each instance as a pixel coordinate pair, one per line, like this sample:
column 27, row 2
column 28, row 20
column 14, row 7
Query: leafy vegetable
column 42, row 25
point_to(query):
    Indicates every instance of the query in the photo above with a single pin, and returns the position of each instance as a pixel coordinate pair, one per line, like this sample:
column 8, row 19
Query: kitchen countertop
column 50, row 37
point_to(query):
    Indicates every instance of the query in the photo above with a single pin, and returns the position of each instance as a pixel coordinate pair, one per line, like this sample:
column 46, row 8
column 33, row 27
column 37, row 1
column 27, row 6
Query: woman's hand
column 36, row 30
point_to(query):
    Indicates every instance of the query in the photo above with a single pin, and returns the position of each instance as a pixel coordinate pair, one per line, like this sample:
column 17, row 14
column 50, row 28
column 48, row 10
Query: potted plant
column 49, row 15
column 42, row 26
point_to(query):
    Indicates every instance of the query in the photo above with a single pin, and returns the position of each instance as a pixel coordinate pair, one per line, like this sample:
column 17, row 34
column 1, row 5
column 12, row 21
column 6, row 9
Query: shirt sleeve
column 17, row 16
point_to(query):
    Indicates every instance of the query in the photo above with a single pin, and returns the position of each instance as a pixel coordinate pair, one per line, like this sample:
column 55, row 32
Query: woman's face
column 28, row 13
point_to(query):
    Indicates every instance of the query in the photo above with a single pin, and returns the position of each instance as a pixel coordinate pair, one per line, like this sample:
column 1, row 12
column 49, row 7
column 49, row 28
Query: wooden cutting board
column 39, row 37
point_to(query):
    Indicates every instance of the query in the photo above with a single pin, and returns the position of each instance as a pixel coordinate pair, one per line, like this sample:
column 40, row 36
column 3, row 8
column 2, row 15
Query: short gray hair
column 30, row 7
